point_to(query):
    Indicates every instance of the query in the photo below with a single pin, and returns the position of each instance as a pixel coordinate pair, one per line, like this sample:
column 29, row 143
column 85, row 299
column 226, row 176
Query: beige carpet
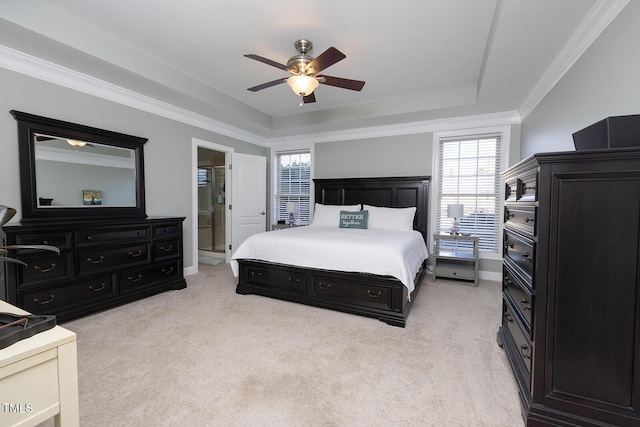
column 205, row 356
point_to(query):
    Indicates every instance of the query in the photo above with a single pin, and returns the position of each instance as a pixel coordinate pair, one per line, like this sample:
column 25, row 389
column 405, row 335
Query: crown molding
column 598, row 18
column 437, row 125
column 32, row 66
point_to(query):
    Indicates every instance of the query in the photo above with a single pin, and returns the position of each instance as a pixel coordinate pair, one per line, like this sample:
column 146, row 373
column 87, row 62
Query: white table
column 39, row 378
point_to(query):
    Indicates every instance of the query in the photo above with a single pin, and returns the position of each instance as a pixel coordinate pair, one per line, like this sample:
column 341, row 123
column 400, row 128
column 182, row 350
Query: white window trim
column 274, row 151
column 505, row 131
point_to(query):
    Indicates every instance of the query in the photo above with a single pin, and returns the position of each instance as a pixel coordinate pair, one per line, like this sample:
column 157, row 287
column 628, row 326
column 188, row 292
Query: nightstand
column 281, row 226
column 456, row 257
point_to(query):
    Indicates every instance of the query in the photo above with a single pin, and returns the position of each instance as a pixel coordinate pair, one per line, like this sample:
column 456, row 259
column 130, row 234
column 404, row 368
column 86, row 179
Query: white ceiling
column 421, row 59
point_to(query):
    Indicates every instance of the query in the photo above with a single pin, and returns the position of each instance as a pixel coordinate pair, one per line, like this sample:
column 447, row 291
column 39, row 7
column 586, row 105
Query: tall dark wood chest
column 571, row 286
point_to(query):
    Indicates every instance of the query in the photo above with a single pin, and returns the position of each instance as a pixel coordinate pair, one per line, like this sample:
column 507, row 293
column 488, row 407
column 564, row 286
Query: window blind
column 293, row 184
column 469, row 174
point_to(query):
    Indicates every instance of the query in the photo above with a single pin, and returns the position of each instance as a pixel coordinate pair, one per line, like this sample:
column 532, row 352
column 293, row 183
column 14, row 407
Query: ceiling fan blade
column 309, row 98
column 266, row 85
column 267, row 61
column 325, row 60
column 342, row 83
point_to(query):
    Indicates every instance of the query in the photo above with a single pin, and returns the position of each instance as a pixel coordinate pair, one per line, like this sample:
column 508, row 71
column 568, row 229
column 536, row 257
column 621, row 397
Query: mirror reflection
column 75, row 173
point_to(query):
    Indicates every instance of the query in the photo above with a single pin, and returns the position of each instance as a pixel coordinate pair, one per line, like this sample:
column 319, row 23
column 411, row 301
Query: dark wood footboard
column 380, row 297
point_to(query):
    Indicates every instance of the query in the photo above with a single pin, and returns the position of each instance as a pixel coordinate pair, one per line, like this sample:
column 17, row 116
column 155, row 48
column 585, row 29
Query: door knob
column 262, row 213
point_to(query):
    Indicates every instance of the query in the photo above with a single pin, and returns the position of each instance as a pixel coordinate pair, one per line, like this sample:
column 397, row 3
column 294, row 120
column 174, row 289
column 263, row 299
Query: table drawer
column 52, row 299
column 352, row 292
column 521, row 251
column 165, row 249
column 521, row 217
column 95, row 260
column 138, row 278
column 44, row 267
column 107, row 235
column 521, row 297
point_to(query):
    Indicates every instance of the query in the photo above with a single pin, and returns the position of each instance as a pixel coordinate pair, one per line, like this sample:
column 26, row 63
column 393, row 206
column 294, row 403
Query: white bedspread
column 382, row 252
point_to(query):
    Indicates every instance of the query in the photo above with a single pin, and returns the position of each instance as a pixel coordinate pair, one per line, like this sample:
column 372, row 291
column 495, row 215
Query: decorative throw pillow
column 390, row 218
column 329, row 215
column 357, row 219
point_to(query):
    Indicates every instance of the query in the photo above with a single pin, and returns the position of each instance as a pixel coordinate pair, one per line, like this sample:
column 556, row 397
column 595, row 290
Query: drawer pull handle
column 525, row 188
column 44, row 270
column 294, row 281
column 136, row 279
column 526, row 257
column 89, row 238
column 256, row 274
column 166, row 249
column 166, row 230
column 525, row 304
column 137, row 254
column 508, row 317
column 97, row 261
column 94, row 289
column 167, row 270
column 508, row 245
column 51, row 298
column 527, row 219
column 374, row 295
column 324, row 286
column 140, row 233
column 507, row 282
column 525, row 351
column 45, row 242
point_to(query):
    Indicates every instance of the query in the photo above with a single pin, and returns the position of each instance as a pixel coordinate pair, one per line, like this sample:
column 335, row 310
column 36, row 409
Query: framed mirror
column 72, row 171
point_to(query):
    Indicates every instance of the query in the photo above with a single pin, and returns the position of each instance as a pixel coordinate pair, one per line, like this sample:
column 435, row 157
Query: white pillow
column 390, row 218
column 329, row 215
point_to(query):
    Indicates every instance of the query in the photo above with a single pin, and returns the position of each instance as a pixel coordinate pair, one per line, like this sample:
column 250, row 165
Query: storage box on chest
column 612, row 132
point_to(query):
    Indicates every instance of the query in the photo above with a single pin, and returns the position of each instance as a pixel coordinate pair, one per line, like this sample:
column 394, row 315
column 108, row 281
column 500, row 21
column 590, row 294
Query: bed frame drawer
column 274, row 278
column 362, row 293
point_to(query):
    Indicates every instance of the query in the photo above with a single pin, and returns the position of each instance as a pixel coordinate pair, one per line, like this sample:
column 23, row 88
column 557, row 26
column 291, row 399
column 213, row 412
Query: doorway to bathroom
column 212, row 187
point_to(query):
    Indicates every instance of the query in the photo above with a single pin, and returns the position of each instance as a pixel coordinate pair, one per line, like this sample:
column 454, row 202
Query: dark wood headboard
column 394, row 192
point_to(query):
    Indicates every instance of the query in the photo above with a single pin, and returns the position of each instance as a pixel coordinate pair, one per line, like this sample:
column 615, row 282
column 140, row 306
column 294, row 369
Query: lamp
column 455, row 211
column 302, row 85
column 292, row 207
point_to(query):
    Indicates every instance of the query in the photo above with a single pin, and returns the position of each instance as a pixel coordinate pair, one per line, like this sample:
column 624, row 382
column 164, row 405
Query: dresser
column 102, row 264
column 571, row 287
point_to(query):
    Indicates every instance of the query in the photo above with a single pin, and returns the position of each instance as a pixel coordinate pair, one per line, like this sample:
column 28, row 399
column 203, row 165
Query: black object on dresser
column 571, row 286
column 101, row 264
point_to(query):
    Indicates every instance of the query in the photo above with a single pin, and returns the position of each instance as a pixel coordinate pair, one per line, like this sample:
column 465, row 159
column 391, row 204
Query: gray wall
column 604, row 82
column 167, row 153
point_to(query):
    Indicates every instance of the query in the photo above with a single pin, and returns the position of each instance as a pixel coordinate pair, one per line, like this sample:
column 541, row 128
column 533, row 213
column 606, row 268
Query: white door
column 248, row 197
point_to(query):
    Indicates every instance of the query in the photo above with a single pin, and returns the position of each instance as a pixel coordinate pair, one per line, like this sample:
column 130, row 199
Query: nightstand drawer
column 456, row 270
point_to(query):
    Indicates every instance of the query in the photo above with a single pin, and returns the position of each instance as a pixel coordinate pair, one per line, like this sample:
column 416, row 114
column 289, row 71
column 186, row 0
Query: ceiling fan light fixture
column 76, row 143
column 302, row 85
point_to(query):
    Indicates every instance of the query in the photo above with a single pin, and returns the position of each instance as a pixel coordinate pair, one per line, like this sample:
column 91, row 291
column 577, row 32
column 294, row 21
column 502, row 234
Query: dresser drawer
column 282, row 279
column 520, row 296
column 50, row 300
column 521, row 217
column 511, row 189
column 44, row 267
column 527, row 187
column 165, row 249
column 352, row 292
column 139, row 278
column 167, row 230
column 521, row 251
column 522, row 345
column 108, row 235
column 95, row 260
column 60, row 240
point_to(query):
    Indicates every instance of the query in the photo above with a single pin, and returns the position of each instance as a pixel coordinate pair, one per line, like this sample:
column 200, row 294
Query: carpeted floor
column 205, row 356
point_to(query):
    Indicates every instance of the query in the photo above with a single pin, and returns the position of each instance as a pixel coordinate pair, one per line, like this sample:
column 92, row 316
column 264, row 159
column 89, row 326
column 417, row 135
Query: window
column 468, row 173
column 293, row 184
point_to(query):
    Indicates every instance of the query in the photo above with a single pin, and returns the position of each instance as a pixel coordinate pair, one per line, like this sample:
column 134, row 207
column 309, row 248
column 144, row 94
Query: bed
column 386, row 294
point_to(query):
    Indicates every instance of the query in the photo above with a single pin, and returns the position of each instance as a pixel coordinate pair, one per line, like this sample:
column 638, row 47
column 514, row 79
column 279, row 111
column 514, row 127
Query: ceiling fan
column 304, row 69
